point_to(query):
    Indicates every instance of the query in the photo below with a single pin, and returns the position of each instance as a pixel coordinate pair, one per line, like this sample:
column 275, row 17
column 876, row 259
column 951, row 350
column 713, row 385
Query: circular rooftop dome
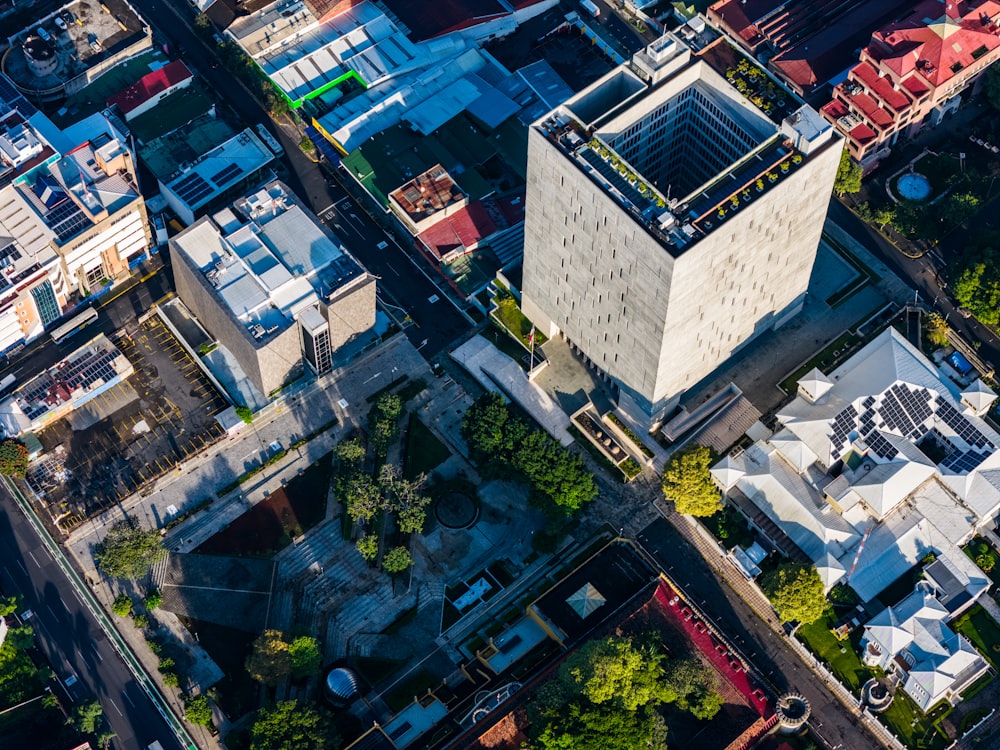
column 36, row 48
column 341, row 686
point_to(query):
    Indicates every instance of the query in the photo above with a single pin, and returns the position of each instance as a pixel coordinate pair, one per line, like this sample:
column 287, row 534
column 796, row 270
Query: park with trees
column 611, row 694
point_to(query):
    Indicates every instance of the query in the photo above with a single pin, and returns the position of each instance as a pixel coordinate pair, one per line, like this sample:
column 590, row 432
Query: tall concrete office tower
column 669, row 222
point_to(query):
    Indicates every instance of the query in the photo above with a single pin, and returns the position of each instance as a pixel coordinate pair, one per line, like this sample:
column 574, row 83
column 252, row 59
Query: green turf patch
column 983, row 631
column 177, row 109
column 840, row 656
column 424, row 452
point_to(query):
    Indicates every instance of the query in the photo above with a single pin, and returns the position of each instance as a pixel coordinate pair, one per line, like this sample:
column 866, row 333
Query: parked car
column 60, row 23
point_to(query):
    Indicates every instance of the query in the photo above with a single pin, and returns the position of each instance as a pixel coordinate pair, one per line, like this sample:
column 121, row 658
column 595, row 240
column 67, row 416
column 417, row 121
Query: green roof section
column 174, row 110
column 480, row 161
column 296, row 103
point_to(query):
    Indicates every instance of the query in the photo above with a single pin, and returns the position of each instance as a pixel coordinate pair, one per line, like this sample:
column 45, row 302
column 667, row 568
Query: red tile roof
column 834, row 109
column 882, row 87
column 461, row 230
column 862, row 134
column 936, row 38
column 869, row 107
column 150, row 85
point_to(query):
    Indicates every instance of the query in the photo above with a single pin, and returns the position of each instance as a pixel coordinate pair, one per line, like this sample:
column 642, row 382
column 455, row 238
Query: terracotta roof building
column 914, row 70
column 808, row 42
column 149, row 90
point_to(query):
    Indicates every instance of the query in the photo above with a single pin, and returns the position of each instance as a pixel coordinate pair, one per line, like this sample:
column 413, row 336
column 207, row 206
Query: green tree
column 364, row 498
column 128, row 550
column 384, row 423
column 141, row 621
column 86, row 717
column 153, row 599
column 984, row 557
column 403, row 498
column 198, row 710
column 368, row 546
column 397, row 560
column 617, row 669
column 483, row 427
column 688, row 685
column 350, row 454
column 8, row 605
column 688, row 484
column 245, row 413
column 796, row 592
column 269, row 662
column 202, row 24
column 937, row 329
column 960, row 207
column 171, row 679
column 13, row 458
column 975, row 279
column 305, row 657
column 848, row 179
column 291, row 725
column 122, row 605
column 21, row 637
column 991, row 86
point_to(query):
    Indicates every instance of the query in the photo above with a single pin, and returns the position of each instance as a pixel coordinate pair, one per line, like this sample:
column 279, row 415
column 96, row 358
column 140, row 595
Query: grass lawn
column 913, row 727
column 841, row 656
column 177, row 109
column 510, row 317
column 983, row 631
column 424, row 452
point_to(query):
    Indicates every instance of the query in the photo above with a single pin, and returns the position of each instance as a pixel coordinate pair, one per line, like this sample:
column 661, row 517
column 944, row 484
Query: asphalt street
column 70, row 637
column 770, row 655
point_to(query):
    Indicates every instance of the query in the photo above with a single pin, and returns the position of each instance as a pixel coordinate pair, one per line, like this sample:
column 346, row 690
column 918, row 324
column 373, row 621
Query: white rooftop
column 267, row 258
column 853, row 461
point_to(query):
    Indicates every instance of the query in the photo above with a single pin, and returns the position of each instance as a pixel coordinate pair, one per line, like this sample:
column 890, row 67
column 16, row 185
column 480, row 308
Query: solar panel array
column 909, row 412
column 226, row 174
column 82, row 373
column 192, row 188
column 13, row 99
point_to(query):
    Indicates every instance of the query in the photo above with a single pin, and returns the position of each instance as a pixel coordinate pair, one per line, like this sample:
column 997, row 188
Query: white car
column 59, row 22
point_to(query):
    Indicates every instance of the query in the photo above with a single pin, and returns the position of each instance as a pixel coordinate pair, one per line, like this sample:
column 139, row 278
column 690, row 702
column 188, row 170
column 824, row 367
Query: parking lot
column 122, row 440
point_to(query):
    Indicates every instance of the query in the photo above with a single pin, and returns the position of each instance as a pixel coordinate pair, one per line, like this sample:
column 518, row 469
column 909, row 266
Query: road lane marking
column 127, row 699
column 21, row 566
column 54, row 616
column 116, row 706
column 33, row 559
column 393, row 269
column 66, row 607
column 97, row 653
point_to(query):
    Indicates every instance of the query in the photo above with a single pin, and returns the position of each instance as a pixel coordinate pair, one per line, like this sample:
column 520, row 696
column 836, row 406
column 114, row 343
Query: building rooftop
column 102, row 31
column 268, row 259
column 66, row 385
column 812, row 41
column 884, row 450
column 937, row 40
column 149, row 86
column 426, row 194
column 679, row 193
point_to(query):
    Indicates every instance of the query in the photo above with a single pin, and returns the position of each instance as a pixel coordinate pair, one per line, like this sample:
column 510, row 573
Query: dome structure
column 341, row 686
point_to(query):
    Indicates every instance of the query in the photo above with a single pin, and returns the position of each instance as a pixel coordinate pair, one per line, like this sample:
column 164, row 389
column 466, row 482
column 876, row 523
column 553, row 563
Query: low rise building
column 204, row 164
column 151, row 89
column 874, row 469
column 912, row 641
column 69, row 224
column 273, row 286
column 48, row 62
column 85, row 374
column 913, row 71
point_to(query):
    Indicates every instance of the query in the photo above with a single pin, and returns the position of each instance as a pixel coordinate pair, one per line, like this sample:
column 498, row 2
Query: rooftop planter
column 634, row 179
column 756, row 86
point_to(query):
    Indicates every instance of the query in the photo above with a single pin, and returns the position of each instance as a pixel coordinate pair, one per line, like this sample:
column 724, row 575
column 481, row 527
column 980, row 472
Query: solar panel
column 71, row 226
column 192, row 189
column 226, row 174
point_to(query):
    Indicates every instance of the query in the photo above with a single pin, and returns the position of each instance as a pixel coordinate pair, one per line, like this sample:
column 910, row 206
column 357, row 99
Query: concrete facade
column 653, row 305
column 268, row 281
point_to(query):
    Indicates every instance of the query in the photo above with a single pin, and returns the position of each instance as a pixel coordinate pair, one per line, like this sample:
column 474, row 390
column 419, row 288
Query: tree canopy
column 8, row 605
column 198, row 710
column 688, row 484
column 795, row 591
column 128, row 551
column 305, row 656
column 13, row 458
column 383, row 423
column 293, row 725
column 397, row 560
column 607, row 693
column 270, row 661
column 506, row 447
column 848, row 179
column 975, row 279
column 86, row 717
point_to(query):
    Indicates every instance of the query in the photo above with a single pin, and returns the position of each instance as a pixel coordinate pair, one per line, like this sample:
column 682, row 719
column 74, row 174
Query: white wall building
column 874, row 467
